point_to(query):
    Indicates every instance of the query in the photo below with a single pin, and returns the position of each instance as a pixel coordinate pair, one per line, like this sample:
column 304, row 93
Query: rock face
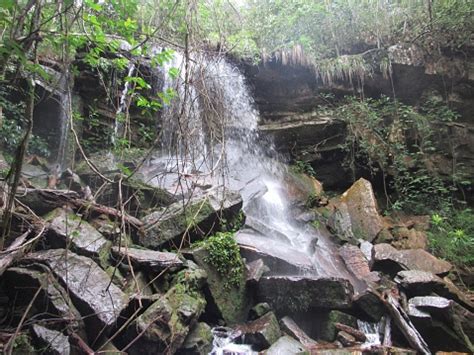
column 411, row 259
column 294, row 293
column 191, row 219
column 99, row 301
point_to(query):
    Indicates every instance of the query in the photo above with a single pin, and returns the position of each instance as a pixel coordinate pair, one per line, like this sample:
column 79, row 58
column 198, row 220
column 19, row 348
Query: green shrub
column 224, row 255
column 451, row 236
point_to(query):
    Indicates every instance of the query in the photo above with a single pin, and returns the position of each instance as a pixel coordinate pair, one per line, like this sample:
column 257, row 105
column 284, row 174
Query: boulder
column 346, row 339
column 150, row 260
column 225, row 301
column 402, row 237
column 262, row 332
column 290, row 327
column 198, row 341
column 451, row 324
column 52, row 302
column 259, row 310
column 391, row 259
column 164, row 325
column 370, row 304
column 422, row 283
column 286, row 345
column 298, row 293
column 255, row 270
column 50, row 341
column 340, row 224
column 361, row 206
column 327, row 326
column 98, row 300
column 192, row 219
column 67, row 229
column 278, row 256
column 357, row 263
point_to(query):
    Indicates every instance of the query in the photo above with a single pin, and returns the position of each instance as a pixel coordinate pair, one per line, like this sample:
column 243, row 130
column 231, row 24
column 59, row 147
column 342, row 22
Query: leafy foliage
column 451, row 236
column 224, row 255
column 397, row 140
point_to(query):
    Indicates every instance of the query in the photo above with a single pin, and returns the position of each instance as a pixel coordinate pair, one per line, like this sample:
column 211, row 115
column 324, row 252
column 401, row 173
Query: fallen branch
column 404, row 323
column 59, row 198
column 13, row 252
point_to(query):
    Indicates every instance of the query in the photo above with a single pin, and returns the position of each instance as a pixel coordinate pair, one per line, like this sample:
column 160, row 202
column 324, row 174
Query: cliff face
column 290, row 99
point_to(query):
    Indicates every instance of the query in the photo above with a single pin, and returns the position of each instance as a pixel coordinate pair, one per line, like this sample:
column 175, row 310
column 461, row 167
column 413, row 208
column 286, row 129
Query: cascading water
column 218, row 143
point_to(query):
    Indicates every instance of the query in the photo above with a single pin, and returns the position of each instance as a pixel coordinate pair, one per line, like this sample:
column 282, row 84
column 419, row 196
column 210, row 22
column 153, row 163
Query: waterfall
column 210, row 136
column 118, row 126
column 64, row 98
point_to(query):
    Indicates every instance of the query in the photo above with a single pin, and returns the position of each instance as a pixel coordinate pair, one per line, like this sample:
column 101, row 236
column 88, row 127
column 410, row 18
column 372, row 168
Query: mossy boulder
column 327, row 327
column 198, row 341
column 66, row 229
column 191, row 219
column 228, row 300
column 163, row 327
column 356, row 215
column 262, row 332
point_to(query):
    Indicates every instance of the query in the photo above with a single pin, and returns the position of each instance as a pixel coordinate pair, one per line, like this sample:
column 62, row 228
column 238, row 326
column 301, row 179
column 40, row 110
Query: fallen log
column 46, row 200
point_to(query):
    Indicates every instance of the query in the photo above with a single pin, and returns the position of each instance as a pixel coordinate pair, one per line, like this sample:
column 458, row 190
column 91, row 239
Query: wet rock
column 412, row 259
column 346, row 339
column 199, row 217
column 52, row 302
column 150, row 260
column 370, row 304
column 163, row 327
column 286, row 345
column 225, row 301
column 255, row 270
column 279, row 257
column 198, row 341
column 357, row 263
column 68, row 229
column 368, row 250
column 401, row 237
column 262, row 332
column 406, row 54
column 422, row 283
column 50, row 341
column 289, row 326
column 451, row 323
column 356, row 333
column 99, row 301
column 365, row 221
column 259, row 310
column 340, row 224
column 36, row 175
column 328, row 330
column 296, row 293
column 72, row 181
